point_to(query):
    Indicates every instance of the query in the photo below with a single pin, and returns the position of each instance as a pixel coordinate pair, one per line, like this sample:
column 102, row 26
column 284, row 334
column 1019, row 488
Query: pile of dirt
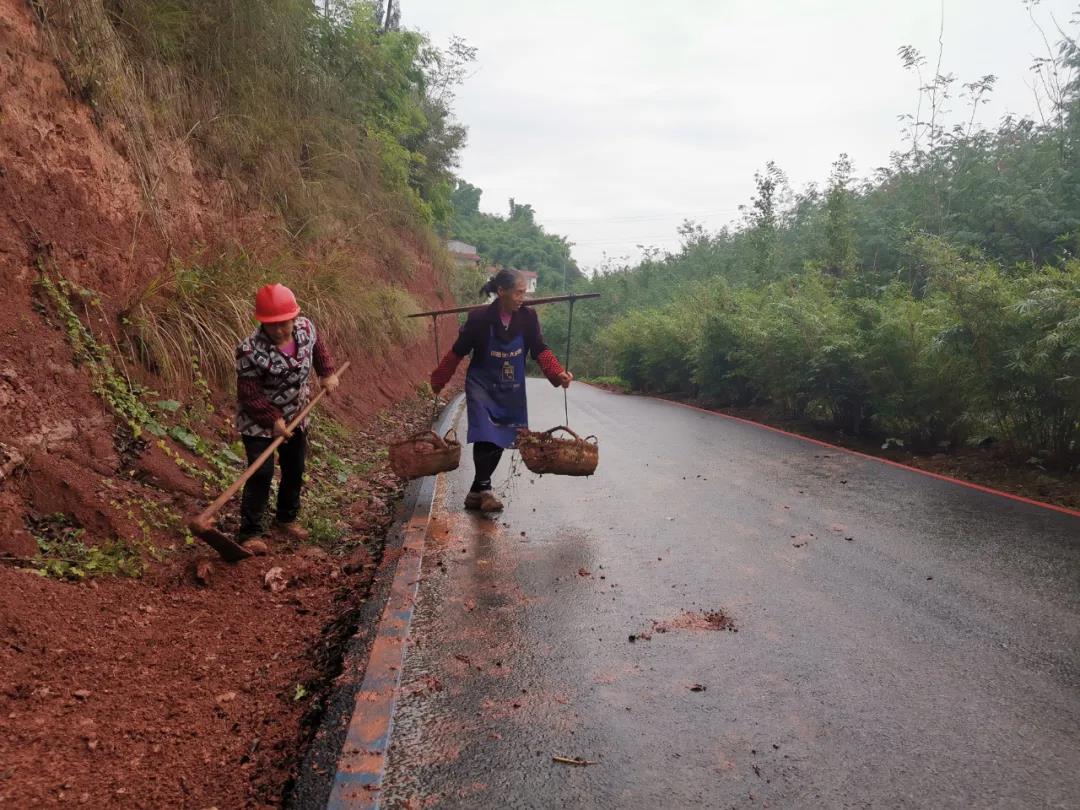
column 155, row 694
column 160, row 692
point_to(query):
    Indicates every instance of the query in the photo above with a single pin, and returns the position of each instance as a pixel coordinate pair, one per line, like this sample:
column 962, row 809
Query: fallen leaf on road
column 584, row 572
column 571, row 760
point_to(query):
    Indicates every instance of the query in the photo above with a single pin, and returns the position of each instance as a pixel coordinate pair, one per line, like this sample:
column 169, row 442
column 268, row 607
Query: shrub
column 921, row 391
column 653, row 351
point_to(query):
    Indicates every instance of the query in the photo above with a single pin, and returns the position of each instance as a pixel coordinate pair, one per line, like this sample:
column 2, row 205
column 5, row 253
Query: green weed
column 139, row 407
column 122, row 394
column 62, row 554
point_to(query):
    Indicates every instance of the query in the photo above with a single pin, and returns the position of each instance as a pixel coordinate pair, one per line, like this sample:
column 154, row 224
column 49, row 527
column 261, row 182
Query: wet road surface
column 931, row 660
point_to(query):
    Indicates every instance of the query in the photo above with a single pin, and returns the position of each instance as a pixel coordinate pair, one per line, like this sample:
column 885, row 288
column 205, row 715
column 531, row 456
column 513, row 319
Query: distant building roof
column 462, row 250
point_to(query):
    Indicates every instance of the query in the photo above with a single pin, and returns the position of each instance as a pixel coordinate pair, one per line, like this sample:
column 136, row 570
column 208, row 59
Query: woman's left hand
column 330, row 383
column 565, row 378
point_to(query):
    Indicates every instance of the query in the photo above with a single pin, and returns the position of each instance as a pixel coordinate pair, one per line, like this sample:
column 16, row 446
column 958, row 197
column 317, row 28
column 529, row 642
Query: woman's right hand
column 281, row 429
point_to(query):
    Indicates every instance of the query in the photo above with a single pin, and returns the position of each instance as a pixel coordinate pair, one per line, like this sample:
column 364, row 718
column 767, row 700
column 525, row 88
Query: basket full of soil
column 425, row 453
column 544, row 452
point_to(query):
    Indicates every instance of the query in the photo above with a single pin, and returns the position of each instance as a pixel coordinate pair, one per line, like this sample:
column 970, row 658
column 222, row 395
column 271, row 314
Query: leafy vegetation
column 63, row 555
column 934, row 304
column 137, row 407
column 124, row 396
column 516, row 240
column 326, row 112
column 332, row 472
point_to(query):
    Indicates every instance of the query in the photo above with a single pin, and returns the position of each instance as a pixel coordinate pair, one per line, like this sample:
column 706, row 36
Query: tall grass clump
column 191, row 317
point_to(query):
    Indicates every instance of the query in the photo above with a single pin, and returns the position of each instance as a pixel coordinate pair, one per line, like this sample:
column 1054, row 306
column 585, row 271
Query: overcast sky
column 617, row 119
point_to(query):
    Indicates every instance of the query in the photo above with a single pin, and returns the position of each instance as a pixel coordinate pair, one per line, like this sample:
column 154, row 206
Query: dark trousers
column 485, row 459
column 291, row 455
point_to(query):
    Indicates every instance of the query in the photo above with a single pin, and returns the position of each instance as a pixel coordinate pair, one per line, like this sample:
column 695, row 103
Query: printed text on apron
column 495, row 391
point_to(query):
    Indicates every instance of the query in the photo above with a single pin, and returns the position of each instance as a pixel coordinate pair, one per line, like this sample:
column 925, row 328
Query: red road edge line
column 978, row 487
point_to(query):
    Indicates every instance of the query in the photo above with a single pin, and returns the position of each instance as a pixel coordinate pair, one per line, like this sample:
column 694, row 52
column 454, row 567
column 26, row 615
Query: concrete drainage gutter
column 346, row 763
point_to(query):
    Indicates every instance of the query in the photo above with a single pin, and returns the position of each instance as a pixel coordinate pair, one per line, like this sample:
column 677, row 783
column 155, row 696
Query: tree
column 761, row 218
column 466, row 199
column 840, row 256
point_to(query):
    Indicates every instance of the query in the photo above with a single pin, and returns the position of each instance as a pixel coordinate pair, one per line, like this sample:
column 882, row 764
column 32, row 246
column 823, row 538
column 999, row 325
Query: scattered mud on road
column 714, row 620
column 707, row 620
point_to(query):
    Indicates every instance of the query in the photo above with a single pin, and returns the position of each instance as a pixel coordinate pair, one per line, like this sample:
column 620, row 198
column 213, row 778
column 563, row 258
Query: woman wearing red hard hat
column 273, row 371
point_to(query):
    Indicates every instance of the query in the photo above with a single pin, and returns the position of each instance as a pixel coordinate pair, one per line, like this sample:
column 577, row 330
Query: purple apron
column 495, row 391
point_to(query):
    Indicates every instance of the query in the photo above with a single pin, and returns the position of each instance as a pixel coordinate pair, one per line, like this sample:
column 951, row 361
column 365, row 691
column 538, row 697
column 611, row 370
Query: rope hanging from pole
column 438, row 359
column 569, row 335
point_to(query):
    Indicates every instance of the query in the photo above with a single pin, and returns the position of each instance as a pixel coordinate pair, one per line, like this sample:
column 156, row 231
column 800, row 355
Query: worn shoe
column 472, row 500
column 489, row 502
column 256, row 545
column 294, row 531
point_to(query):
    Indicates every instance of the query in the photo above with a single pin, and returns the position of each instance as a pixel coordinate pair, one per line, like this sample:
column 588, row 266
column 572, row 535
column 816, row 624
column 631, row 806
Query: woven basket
column 543, row 453
column 426, row 453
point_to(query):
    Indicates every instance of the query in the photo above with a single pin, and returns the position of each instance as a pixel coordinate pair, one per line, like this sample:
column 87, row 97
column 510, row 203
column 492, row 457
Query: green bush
column 1020, row 334
column 921, row 391
column 802, row 350
column 653, row 351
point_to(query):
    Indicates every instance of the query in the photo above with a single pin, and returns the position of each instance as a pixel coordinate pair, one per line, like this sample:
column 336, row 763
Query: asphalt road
column 931, row 660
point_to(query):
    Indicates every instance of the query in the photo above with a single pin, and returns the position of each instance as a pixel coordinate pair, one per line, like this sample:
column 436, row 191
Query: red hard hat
column 275, row 303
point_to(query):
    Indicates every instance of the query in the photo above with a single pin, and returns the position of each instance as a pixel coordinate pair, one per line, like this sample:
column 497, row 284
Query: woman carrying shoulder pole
column 498, row 339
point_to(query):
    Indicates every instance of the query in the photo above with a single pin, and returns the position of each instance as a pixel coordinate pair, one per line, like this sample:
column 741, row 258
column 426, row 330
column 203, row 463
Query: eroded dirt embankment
column 154, row 691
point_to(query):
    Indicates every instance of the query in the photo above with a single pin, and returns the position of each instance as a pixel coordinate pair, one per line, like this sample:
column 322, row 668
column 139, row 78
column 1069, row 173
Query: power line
column 639, row 218
column 630, row 240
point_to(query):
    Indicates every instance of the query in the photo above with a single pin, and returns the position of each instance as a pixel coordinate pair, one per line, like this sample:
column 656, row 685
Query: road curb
column 345, row 767
column 362, row 763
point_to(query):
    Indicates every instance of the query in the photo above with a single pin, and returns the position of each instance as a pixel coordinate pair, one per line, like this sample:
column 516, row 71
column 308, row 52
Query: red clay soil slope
column 155, row 691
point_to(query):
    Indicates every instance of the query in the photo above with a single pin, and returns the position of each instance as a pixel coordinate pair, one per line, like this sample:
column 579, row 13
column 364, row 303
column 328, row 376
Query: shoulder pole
column 529, row 302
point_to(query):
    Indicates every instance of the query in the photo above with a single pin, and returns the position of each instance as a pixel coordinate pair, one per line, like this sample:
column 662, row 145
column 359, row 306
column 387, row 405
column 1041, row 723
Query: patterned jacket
column 270, row 385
